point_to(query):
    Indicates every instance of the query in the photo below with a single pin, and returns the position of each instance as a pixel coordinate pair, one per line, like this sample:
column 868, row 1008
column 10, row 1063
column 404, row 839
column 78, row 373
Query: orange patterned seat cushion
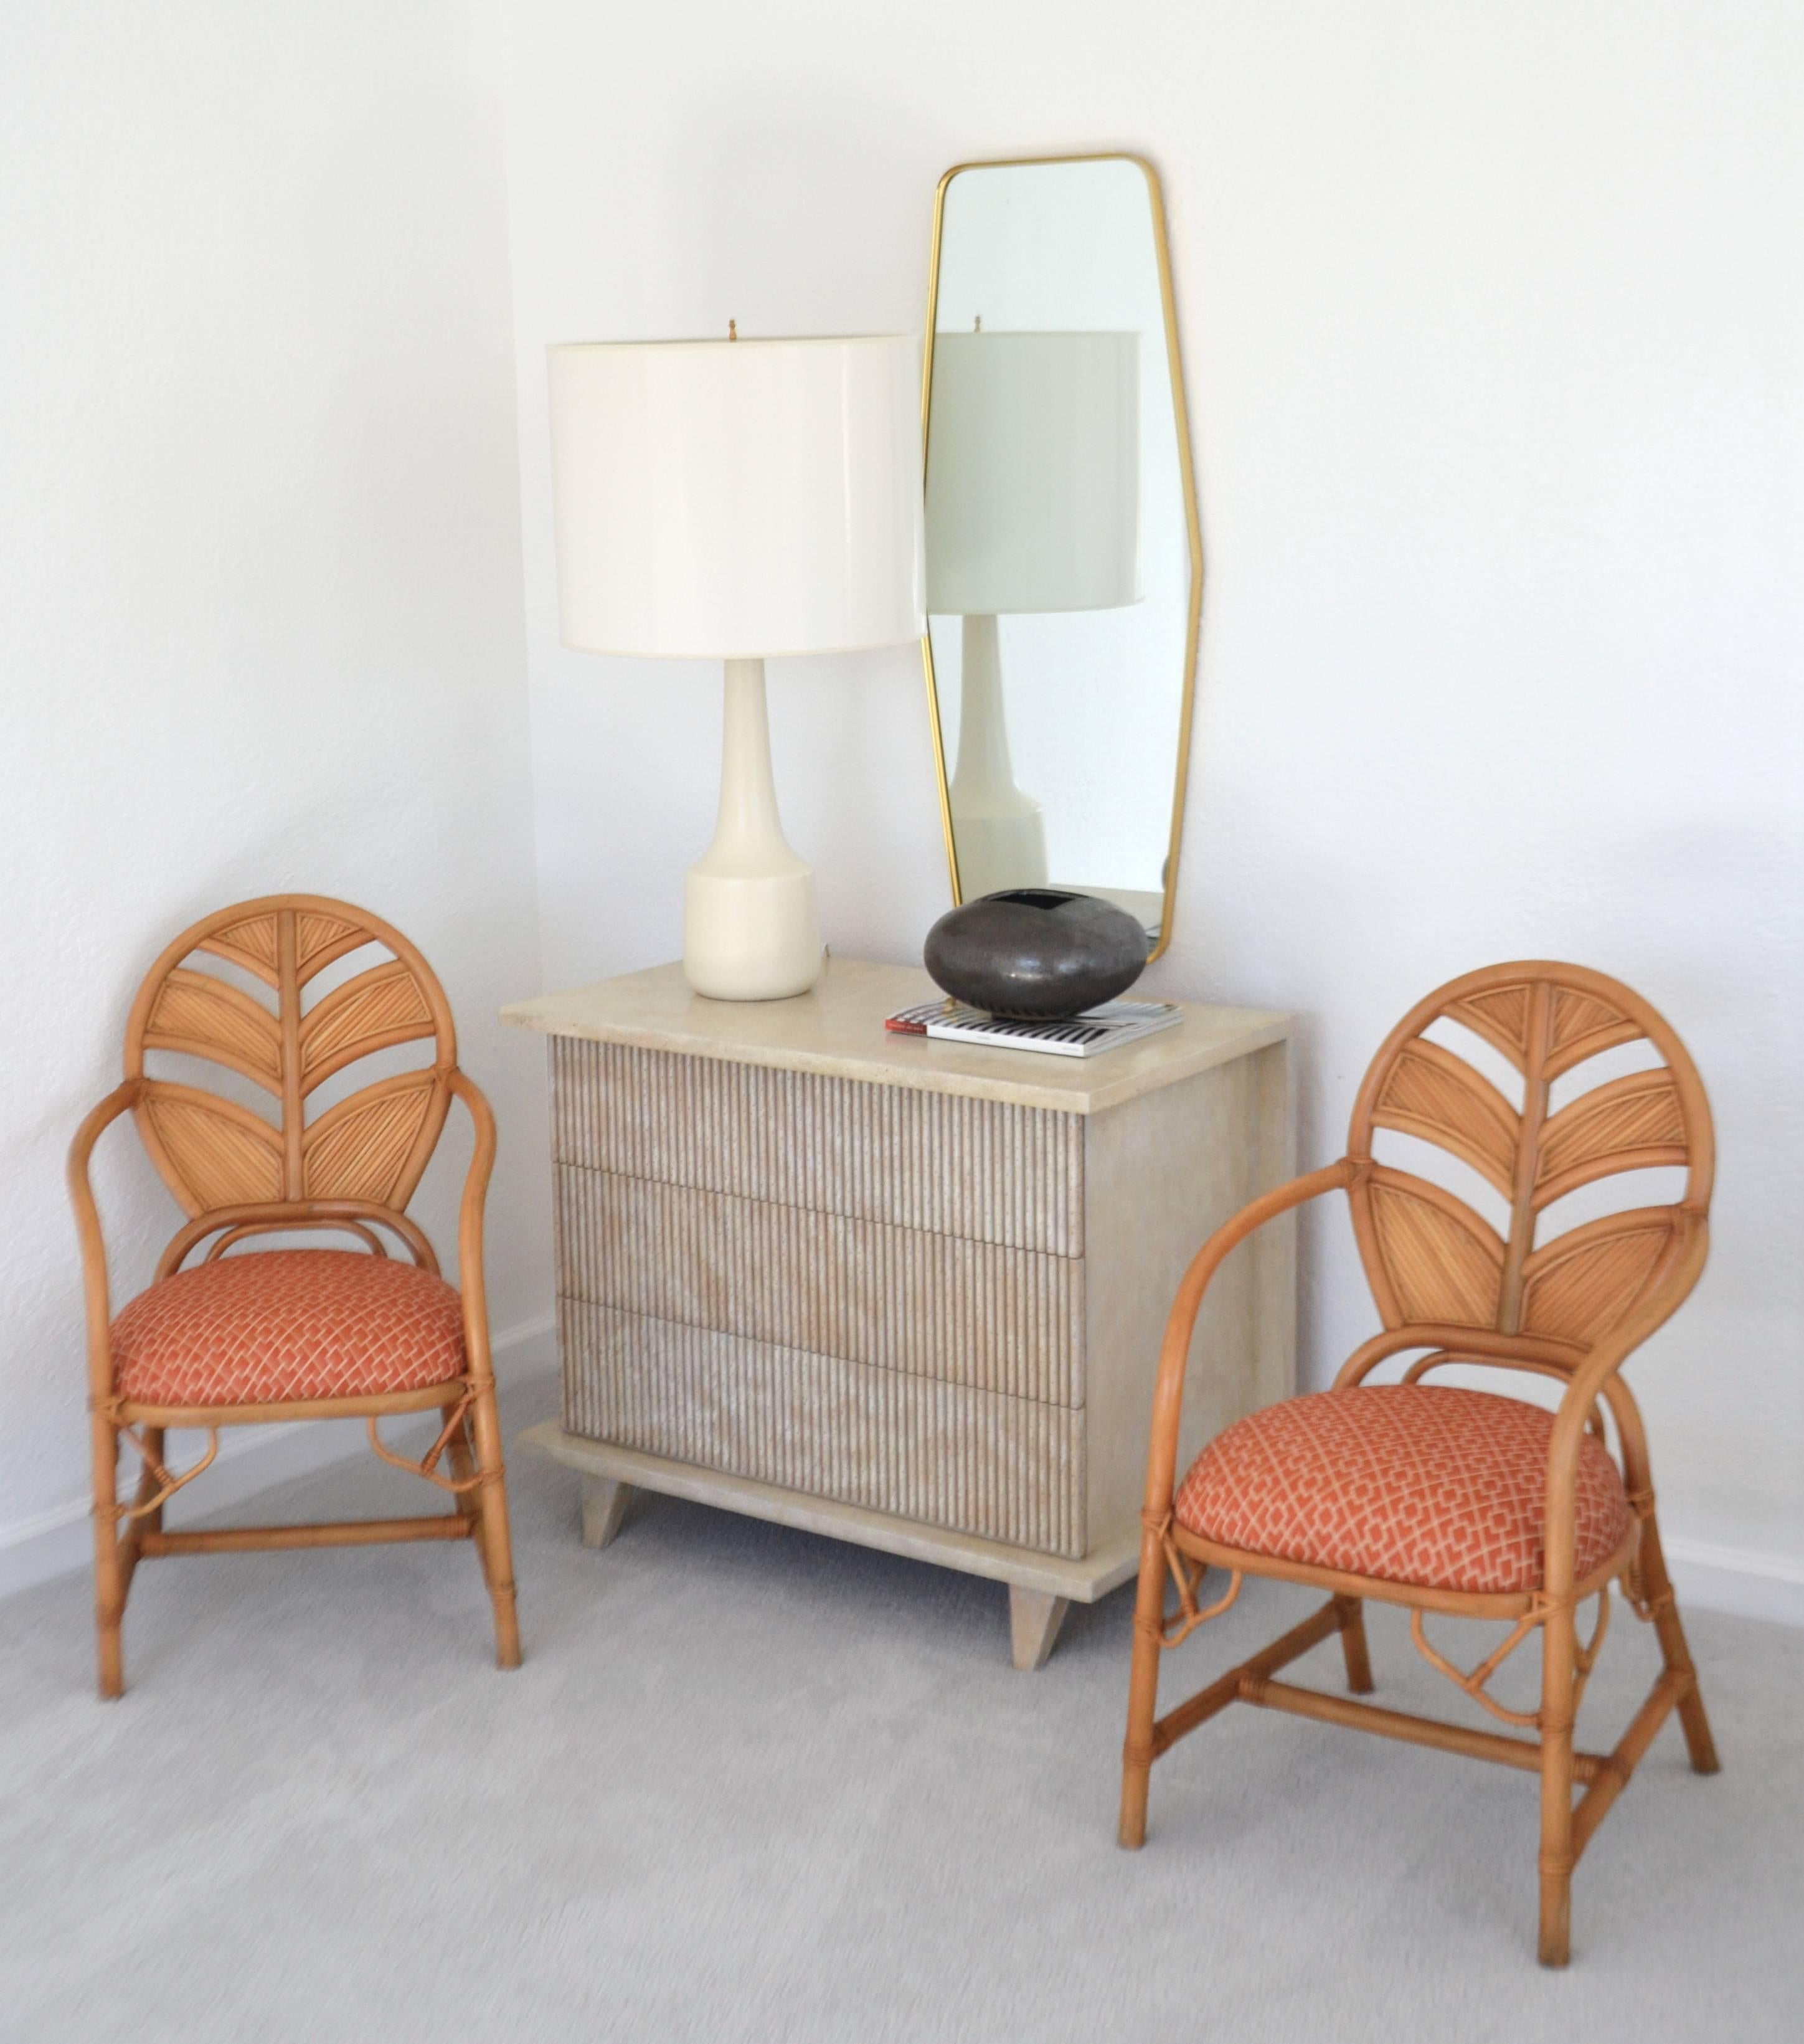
column 1410, row 1483
column 286, row 1323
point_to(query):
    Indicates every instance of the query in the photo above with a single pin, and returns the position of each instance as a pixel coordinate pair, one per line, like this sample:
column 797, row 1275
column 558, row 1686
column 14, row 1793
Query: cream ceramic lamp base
column 751, row 930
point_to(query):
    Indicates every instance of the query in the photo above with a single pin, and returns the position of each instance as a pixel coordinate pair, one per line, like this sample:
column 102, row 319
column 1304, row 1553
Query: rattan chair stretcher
column 1450, row 1289
column 237, row 1174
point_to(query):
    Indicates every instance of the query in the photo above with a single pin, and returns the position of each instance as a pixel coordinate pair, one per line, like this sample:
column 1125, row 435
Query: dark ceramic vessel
column 1034, row 953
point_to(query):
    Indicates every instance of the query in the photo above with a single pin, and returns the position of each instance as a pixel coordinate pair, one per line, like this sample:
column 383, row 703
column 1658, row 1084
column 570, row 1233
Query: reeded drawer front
column 946, row 1454
column 928, row 1305
column 987, row 1170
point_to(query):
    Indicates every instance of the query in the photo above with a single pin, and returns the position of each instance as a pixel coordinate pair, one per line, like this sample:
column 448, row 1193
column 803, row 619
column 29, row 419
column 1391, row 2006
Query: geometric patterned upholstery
column 1417, row 1483
column 274, row 1324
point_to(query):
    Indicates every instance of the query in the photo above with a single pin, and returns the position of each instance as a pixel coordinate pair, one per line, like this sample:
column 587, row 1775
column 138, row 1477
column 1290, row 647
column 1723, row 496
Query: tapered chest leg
column 604, row 1505
column 1034, row 1617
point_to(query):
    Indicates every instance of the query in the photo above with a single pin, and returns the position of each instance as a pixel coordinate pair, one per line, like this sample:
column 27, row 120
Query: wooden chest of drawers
column 907, row 1292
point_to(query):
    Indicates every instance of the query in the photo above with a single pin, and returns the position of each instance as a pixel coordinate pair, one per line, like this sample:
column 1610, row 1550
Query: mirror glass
column 1064, row 571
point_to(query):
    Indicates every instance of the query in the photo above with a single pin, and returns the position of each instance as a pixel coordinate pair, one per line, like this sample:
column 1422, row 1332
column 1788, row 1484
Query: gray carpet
column 752, row 1785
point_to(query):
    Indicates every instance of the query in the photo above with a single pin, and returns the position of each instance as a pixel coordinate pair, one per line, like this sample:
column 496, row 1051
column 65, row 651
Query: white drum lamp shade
column 1033, row 487
column 735, row 500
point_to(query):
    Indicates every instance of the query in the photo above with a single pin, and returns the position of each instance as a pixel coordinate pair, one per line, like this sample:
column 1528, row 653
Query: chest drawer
column 919, row 1448
column 984, row 1171
column 975, row 1313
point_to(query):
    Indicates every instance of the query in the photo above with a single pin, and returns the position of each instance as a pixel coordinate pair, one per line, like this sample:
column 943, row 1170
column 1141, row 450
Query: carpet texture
column 754, row 1785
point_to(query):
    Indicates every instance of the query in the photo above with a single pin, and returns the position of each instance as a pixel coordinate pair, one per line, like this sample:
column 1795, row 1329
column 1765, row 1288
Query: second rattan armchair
column 1456, row 1501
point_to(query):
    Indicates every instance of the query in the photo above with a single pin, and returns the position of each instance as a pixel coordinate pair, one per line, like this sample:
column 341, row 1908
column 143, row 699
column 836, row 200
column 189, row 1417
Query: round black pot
column 1034, row 953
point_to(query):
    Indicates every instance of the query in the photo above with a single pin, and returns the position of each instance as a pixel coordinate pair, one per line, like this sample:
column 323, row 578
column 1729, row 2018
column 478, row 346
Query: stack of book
column 1096, row 1029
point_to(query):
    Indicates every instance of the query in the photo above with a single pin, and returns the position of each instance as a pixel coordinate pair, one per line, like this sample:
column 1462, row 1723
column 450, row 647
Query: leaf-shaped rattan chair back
column 371, row 1146
column 1430, row 1258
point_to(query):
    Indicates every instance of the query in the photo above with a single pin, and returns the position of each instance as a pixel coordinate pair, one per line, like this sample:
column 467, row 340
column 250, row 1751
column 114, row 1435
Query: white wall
column 1493, row 317
column 259, row 585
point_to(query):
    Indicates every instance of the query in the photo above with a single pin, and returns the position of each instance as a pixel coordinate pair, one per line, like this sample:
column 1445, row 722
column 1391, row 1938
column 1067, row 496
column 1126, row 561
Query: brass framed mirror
column 1064, row 556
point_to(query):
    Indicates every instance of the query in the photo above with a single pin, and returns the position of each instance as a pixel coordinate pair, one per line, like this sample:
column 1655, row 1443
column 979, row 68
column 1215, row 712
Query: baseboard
column 251, row 1459
column 1732, row 1579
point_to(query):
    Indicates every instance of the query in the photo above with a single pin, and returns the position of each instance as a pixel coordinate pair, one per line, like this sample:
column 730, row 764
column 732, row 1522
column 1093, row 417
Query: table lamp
column 737, row 500
column 1033, row 503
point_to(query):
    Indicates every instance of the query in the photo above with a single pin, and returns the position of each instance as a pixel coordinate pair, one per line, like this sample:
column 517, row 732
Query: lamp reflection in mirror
column 734, row 499
column 1032, row 505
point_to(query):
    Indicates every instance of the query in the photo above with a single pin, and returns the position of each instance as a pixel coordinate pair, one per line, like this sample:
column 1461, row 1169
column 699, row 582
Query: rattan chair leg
column 1353, row 1646
column 1142, row 1693
column 109, row 1574
column 493, row 1542
column 1559, row 1649
column 1658, row 1587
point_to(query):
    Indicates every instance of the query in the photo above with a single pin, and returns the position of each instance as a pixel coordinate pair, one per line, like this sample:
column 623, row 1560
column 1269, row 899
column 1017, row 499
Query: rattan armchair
column 283, row 1334
column 1450, row 1500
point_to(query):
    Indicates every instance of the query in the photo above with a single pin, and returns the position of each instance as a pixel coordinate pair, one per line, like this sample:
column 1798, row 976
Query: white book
column 1085, row 1036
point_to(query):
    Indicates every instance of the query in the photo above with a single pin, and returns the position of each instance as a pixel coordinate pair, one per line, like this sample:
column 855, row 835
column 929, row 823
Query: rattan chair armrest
column 95, row 1289
column 470, row 1282
column 1685, row 1261
column 1174, row 1354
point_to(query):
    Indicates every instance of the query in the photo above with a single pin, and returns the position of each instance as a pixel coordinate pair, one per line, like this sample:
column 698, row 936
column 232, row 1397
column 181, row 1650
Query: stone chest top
column 836, row 1029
